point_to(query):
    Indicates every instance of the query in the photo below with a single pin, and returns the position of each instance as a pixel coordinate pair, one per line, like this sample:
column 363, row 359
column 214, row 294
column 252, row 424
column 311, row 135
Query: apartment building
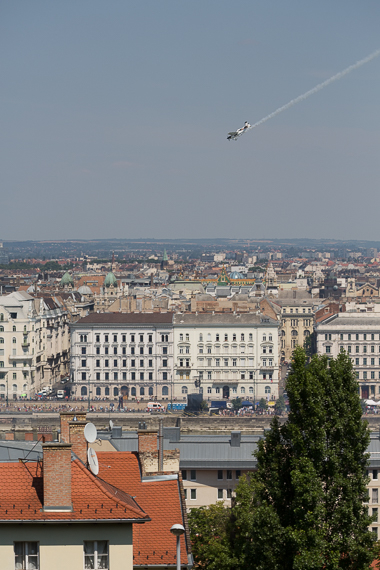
column 359, row 335
column 297, row 319
column 226, row 355
column 34, row 344
column 128, row 354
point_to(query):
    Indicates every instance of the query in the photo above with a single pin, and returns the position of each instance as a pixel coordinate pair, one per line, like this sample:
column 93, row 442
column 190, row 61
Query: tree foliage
column 304, row 507
column 236, row 403
column 280, row 405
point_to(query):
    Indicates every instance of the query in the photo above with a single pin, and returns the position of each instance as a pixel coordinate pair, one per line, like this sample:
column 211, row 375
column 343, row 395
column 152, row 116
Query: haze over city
column 115, row 117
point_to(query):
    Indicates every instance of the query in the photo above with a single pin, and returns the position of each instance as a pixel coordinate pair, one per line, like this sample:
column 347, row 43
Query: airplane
column 234, row 135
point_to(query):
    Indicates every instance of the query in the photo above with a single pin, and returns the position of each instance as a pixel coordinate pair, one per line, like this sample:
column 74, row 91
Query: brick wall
column 57, row 475
column 77, row 440
column 147, row 440
column 10, row 436
column 67, row 417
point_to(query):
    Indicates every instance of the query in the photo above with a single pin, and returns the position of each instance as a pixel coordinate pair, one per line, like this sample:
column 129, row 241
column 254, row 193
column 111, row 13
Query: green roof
column 66, row 280
column 110, row 280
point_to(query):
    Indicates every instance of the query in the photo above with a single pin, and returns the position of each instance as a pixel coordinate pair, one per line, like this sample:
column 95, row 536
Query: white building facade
column 359, row 335
column 225, row 355
column 34, row 344
column 122, row 354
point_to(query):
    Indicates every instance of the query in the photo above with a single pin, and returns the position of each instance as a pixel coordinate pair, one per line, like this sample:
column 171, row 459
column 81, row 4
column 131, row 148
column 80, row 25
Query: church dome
column 85, row 290
column 110, row 280
column 236, row 275
column 66, row 280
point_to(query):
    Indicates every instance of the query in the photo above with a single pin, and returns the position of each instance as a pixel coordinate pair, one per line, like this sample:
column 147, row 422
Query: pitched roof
column 126, row 318
column 153, row 542
column 21, row 492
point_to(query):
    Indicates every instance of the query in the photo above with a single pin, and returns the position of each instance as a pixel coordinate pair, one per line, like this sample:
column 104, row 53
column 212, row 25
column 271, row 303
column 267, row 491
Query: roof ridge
column 99, row 483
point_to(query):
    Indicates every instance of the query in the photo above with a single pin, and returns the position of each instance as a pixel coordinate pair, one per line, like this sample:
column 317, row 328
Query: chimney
column 57, row 477
column 235, row 438
column 77, row 440
column 147, row 440
column 67, row 417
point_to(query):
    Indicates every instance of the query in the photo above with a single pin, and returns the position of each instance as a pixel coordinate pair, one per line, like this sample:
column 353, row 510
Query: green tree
column 263, row 404
column 280, row 405
column 311, row 474
column 210, row 539
column 236, row 403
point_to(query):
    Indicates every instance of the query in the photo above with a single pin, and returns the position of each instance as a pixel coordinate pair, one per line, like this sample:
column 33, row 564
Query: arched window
column 1, row 329
column 165, row 391
column 242, row 390
column 14, row 340
column 251, row 389
column 133, row 391
column 306, row 333
column 1, row 316
column 1, row 340
column 25, row 387
column 107, row 391
column 14, row 387
column 184, row 389
column 294, row 333
column 142, row 391
column 267, row 389
column 14, row 328
column 151, row 391
column 83, row 391
column 2, row 387
column 270, row 337
column 98, row 391
column 264, row 337
column 116, row 391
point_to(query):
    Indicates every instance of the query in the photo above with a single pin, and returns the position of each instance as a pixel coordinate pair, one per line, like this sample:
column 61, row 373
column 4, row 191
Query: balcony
column 21, row 357
column 266, row 367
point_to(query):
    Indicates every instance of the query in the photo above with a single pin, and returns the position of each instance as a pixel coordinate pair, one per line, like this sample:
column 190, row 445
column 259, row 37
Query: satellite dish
column 111, row 425
column 90, row 433
column 93, row 461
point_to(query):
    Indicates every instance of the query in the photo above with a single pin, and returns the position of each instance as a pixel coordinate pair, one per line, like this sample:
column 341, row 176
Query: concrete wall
column 61, row 546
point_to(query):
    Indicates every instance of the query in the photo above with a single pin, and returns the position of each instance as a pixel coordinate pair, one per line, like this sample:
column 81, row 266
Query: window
column 184, row 474
column 165, row 391
column 83, row 391
column 14, row 340
column 184, row 389
column 234, row 337
column 364, row 362
column 181, row 337
column 229, row 474
column 98, row 391
column 141, row 375
column 375, row 495
column 141, row 350
column 250, row 337
column 132, row 338
column 374, row 474
column 165, row 363
column 115, row 349
column 124, row 338
column 83, row 350
column 95, row 554
column 141, row 338
column 107, row 376
column 372, row 348
column 238, row 473
column 328, row 349
column 226, row 337
column 98, row 350
column 106, row 350
column 267, row 389
column 193, row 494
column 229, row 493
column 185, row 493
column 193, row 475
column 220, row 475
column 27, row 556
column 124, row 363
column 84, row 377
column 132, row 350
column 116, row 391
column 98, row 375
column 106, row 338
column 97, row 338
column 220, row 493
column 106, row 363
column 83, row 363
column 375, row 513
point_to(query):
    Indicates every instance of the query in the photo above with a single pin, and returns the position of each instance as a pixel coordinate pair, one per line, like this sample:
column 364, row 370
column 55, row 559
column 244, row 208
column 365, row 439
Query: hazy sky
column 114, row 117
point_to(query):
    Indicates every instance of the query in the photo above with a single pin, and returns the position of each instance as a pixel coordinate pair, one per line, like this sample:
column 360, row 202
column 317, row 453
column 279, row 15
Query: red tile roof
column 153, row 543
column 21, row 496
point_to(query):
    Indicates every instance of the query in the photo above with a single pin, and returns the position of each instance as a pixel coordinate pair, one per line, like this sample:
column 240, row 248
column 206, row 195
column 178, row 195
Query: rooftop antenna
column 90, row 433
column 93, row 461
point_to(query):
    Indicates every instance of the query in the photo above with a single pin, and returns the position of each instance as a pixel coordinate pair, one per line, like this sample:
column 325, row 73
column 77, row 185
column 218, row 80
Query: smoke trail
column 317, row 88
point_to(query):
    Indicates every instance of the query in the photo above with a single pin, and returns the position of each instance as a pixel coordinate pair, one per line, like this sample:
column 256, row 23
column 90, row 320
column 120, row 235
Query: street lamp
column 177, row 530
column 6, row 377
